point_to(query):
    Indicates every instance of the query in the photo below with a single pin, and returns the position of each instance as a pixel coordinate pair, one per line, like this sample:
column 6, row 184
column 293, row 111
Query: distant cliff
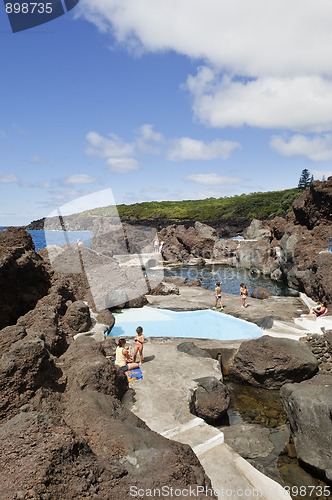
column 226, row 227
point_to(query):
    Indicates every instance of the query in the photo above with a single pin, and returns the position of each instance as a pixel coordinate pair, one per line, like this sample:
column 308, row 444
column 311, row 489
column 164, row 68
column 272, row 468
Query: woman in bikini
column 318, row 310
column 244, row 294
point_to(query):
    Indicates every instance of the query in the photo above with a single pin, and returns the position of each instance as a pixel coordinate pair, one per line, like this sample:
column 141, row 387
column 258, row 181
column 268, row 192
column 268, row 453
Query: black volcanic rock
column 64, row 430
column 270, row 362
column 23, row 276
column 314, row 204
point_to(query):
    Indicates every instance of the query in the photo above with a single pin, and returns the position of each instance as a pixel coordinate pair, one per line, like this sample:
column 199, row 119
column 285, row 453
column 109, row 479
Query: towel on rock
column 135, row 374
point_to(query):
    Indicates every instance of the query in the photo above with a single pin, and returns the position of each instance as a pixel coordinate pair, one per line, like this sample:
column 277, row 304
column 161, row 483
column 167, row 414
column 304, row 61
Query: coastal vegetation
column 260, row 205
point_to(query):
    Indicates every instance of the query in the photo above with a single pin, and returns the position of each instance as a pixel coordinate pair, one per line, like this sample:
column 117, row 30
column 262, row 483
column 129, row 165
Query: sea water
column 42, row 238
column 230, row 278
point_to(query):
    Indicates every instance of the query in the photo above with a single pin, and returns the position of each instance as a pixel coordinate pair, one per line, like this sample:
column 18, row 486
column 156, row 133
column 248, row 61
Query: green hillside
column 253, row 205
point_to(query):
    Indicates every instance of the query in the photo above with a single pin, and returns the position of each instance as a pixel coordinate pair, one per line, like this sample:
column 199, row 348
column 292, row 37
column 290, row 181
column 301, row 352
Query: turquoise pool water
column 205, row 324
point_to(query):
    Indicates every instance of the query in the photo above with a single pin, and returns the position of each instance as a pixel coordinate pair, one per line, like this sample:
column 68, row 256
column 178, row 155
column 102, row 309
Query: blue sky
column 163, row 100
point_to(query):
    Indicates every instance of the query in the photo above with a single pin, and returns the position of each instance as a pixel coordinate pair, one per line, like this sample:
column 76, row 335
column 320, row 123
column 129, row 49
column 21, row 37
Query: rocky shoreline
column 292, row 250
column 66, row 431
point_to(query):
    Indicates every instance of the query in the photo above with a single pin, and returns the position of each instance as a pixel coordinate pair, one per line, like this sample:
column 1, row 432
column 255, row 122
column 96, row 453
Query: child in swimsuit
column 244, row 294
column 139, row 341
column 217, row 291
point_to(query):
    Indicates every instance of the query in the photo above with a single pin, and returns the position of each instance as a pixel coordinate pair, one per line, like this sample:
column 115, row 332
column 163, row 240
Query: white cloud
column 107, row 147
column 8, row 179
column 316, row 148
column 121, row 156
column 148, row 133
column 2, row 134
column 186, row 148
column 252, row 37
column 122, row 165
column 79, row 179
column 282, row 47
column 212, row 179
column 148, row 140
column 299, row 103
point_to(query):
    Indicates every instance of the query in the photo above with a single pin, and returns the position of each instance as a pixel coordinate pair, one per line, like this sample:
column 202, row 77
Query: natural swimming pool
column 231, row 277
column 205, row 324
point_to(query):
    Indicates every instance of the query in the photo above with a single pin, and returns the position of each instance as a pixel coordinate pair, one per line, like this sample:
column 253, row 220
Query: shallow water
column 255, row 406
column 230, row 277
column 263, row 407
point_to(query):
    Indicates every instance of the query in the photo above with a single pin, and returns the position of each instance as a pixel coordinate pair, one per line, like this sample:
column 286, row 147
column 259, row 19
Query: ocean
column 43, row 238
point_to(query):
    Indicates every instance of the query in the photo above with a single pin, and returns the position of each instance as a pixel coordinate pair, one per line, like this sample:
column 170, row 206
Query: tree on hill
column 306, row 179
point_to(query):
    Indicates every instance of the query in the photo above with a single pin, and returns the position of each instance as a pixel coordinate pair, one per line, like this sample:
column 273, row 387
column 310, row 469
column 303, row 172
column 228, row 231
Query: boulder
column 257, row 256
column 266, row 322
column 165, row 289
column 225, row 249
column 182, row 243
column 44, row 321
column 191, row 349
column 260, row 293
column 137, row 302
column 10, row 335
column 77, row 318
column 105, row 317
column 257, row 231
column 205, row 231
column 25, row 367
column 309, row 409
column 210, row 400
column 271, row 362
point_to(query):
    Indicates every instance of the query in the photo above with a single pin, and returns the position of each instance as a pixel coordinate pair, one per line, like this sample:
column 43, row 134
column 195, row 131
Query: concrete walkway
column 162, row 400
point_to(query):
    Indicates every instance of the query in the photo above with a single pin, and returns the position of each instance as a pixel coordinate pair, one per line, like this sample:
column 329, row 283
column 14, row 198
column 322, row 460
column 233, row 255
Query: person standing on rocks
column 217, row 292
column 244, row 294
column 156, row 244
column 139, row 341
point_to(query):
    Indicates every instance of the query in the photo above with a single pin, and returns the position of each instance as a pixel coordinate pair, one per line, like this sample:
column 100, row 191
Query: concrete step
column 288, row 327
column 197, row 433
